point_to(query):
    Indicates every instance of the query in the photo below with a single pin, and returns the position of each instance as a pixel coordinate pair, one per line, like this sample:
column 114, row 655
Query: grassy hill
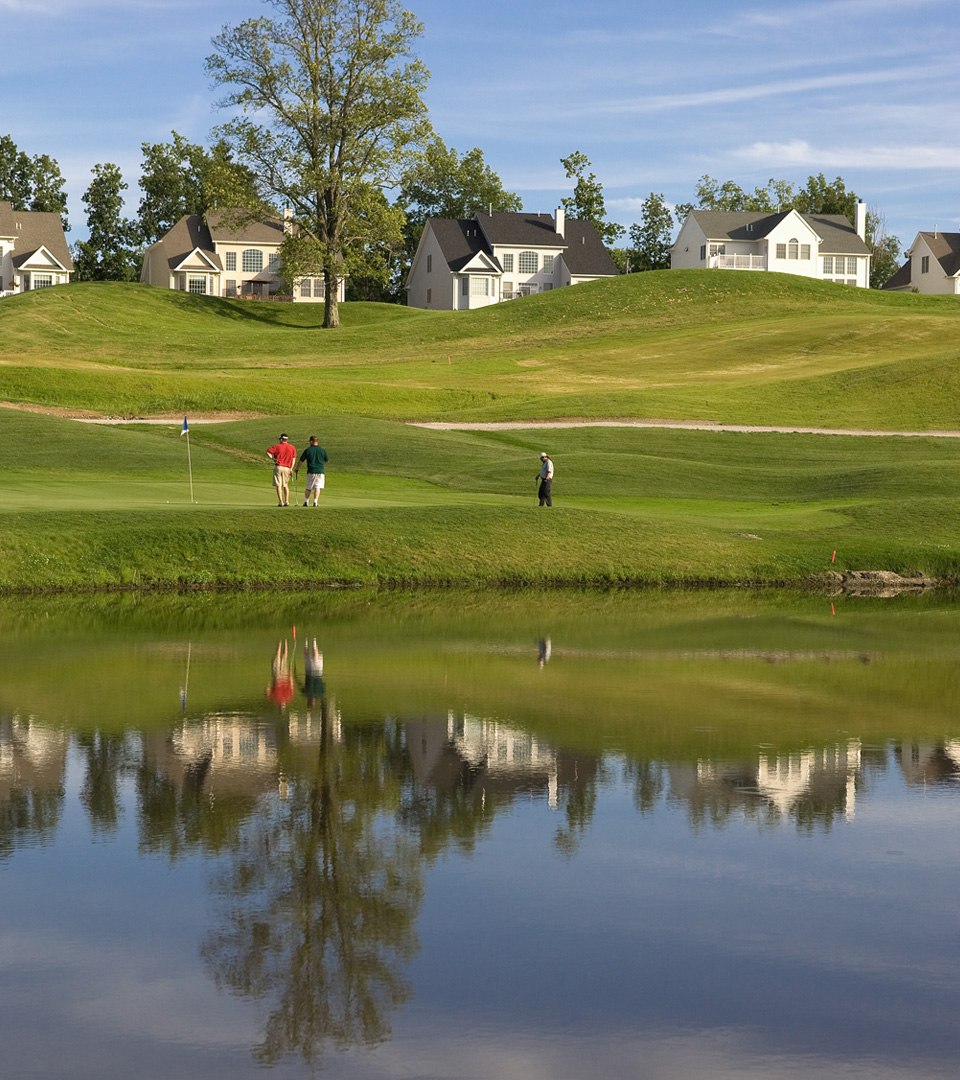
column 676, row 344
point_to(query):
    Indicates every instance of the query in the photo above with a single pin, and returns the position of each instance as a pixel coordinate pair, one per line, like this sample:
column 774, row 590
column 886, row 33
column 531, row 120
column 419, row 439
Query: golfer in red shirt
column 283, row 455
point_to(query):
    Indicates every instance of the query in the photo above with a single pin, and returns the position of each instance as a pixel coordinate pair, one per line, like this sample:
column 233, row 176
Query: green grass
column 88, row 505
column 675, row 344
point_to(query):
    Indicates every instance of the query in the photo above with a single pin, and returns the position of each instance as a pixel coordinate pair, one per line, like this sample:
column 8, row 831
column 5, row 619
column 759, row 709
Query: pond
column 393, row 835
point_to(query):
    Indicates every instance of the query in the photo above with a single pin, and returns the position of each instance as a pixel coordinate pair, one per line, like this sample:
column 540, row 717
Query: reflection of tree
column 577, row 797
column 321, row 897
column 647, row 778
column 105, row 756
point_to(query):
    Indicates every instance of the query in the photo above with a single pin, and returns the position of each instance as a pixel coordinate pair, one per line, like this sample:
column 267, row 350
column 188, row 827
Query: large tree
column 111, row 253
column 31, row 183
column 650, row 237
column 181, row 177
column 329, row 107
column 587, row 202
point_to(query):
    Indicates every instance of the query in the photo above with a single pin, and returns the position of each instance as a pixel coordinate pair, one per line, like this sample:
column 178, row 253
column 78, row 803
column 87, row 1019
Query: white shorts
column 315, row 480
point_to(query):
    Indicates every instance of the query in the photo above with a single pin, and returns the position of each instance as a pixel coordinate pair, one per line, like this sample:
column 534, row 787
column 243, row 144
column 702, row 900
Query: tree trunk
column 331, row 303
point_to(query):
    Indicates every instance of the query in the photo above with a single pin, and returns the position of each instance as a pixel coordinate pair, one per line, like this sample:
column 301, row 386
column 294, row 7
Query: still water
column 477, row 836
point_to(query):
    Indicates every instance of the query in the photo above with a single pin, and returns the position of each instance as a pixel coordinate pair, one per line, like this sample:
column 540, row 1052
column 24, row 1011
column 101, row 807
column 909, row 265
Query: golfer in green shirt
column 314, row 456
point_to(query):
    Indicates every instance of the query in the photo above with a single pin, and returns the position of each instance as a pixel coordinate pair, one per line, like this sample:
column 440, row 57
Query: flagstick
column 190, row 465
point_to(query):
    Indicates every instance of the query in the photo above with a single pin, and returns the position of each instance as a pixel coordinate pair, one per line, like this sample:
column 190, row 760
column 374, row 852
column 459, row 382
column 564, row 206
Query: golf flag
column 185, row 429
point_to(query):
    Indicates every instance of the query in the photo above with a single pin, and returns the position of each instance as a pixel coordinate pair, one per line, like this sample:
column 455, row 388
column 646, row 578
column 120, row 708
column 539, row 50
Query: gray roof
column 233, row 227
column 193, row 231
column 837, row 235
column 946, row 248
column 32, row 230
column 188, row 233
column 580, row 246
column 900, row 280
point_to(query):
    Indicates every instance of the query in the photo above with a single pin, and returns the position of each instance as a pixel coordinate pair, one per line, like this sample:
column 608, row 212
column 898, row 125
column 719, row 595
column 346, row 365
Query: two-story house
column 822, row 246
column 471, row 263
column 33, row 250
column 221, row 254
column 932, row 266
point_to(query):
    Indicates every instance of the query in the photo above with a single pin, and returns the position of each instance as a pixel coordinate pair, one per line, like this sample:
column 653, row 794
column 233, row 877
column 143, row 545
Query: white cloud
column 800, row 152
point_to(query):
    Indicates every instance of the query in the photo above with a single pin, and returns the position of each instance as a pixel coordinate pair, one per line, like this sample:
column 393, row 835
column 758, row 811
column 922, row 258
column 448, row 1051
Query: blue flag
column 184, row 430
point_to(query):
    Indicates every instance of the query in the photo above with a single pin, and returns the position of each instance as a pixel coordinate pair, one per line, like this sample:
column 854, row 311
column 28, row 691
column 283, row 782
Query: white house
column 215, row 256
column 33, row 250
column 822, row 246
column 932, row 266
column 483, row 260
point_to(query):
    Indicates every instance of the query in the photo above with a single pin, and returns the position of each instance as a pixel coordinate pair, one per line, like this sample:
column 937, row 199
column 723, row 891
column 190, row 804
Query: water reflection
column 325, row 805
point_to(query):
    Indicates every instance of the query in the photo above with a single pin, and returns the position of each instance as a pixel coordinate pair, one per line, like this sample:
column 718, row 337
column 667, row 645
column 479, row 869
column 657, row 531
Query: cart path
column 175, row 420
column 680, row 425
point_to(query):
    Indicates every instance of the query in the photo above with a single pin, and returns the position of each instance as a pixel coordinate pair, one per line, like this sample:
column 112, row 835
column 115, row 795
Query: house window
column 429, row 295
column 508, row 263
column 464, row 286
column 508, row 289
column 231, row 286
column 548, row 264
column 306, row 287
column 718, row 249
column 925, row 264
column 429, row 264
column 828, row 264
column 42, row 281
column 319, row 290
column 805, row 252
column 703, row 252
column 274, row 264
column 252, row 261
column 793, row 249
column 547, row 286
column 781, row 251
column 529, row 262
column 479, row 286
column 230, row 260
column 197, row 285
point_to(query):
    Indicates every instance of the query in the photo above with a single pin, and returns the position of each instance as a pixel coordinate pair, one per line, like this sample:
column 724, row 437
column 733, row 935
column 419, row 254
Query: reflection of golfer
column 313, row 673
column 315, row 456
column 543, row 651
column 280, row 690
column 546, row 480
column 283, row 455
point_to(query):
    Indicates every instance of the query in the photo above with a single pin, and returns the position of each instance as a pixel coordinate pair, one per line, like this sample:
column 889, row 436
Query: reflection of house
column 33, row 250
column 822, row 246
column 488, row 258
column 215, row 256
column 929, row 763
column 807, row 785
column 32, row 759
column 491, row 757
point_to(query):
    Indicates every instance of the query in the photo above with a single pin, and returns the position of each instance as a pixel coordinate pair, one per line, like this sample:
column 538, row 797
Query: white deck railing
column 737, row 262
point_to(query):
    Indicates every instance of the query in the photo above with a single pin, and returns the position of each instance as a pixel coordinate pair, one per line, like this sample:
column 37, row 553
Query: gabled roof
column 32, row 230
column 459, row 241
column 224, row 229
column 837, row 235
column 21, row 259
column 945, row 247
column 521, row 230
column 188, row 235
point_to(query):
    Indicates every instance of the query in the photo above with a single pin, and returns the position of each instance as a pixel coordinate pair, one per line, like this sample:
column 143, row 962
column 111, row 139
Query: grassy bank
column 111, row 506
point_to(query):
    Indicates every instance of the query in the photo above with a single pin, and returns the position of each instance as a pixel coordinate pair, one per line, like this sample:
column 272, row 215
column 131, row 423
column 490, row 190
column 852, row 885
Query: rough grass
column 676, row 344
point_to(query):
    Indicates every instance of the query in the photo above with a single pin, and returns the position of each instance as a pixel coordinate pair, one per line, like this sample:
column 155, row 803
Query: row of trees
column 326, row 115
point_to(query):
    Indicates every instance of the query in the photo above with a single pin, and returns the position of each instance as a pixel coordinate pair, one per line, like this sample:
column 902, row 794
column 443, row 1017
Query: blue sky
column 655, row 95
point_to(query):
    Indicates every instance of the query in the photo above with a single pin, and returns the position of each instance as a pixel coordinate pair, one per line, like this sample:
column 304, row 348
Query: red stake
column 833, row 558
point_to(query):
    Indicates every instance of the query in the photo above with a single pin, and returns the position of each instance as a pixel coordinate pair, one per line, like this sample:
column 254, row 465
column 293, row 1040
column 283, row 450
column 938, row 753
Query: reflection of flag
column 184, row 430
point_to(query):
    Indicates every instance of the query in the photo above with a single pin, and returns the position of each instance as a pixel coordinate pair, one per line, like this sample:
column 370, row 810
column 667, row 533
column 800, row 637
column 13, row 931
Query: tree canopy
column 650, row 237
column 111, row 253
column 31, row 183
column 587, row 202
column 328, row 109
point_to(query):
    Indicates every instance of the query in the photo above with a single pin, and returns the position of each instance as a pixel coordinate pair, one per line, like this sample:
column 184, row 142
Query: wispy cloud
column 800, row 152
column 58, row 8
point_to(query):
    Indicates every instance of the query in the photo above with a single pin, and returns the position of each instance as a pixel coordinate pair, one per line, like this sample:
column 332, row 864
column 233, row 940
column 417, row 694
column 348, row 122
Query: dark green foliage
column 111, row 253
column 650, row 237
column 31, row 183
column 587, row 202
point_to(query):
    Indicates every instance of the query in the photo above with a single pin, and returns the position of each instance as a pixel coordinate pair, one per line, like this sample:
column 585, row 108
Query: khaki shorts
column 281, row 475
column 315, row 480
